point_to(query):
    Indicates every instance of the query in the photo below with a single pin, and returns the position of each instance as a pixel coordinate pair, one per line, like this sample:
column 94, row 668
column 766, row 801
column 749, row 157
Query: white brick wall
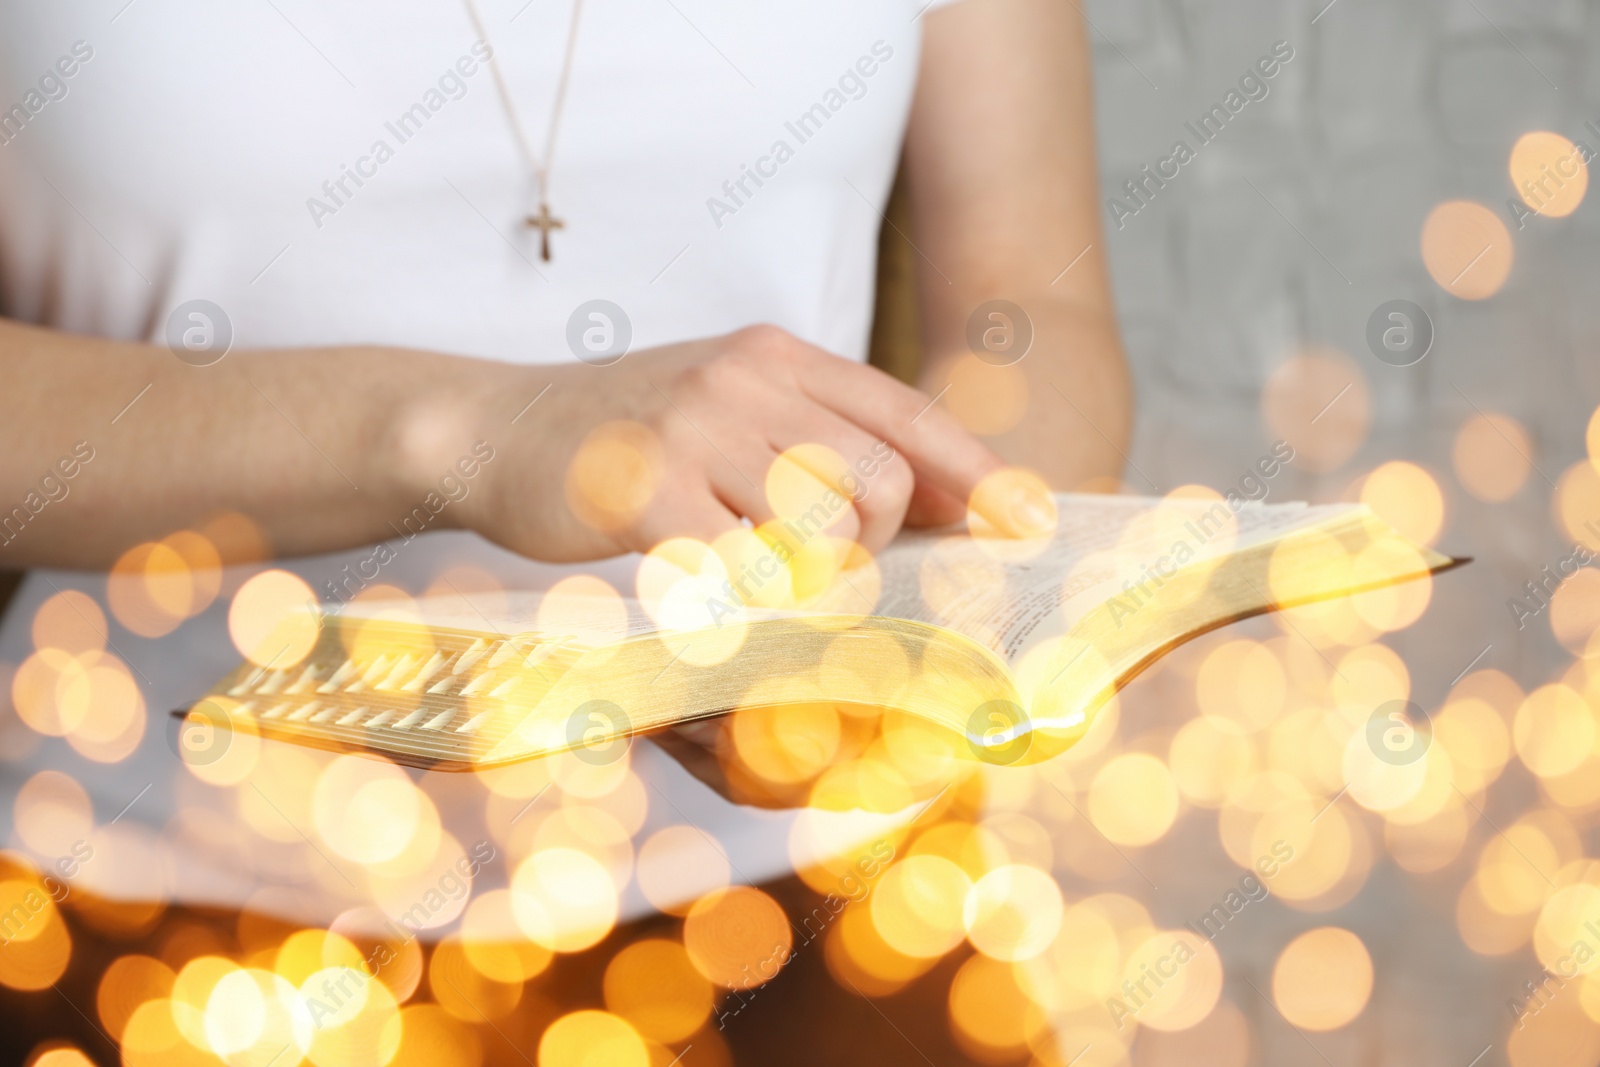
column 1388, row 108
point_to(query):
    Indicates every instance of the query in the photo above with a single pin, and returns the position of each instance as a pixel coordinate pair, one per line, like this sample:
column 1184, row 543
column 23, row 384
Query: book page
column 502, row 674
column 1102, row 545
column 1008, row 596
column 516, row 612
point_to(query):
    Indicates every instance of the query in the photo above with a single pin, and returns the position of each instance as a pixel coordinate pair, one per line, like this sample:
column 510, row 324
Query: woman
column 297, row 260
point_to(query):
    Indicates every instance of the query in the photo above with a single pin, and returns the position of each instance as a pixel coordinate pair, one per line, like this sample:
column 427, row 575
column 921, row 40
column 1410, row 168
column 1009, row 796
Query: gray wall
column 1388, row 108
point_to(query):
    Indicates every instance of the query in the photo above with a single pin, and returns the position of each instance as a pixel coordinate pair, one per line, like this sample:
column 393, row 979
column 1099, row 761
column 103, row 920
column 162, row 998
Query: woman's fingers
column 939, row 450
column 738, row 474
column 727, row 409
column 873, row 485
column 682, row 508
column 932, row 506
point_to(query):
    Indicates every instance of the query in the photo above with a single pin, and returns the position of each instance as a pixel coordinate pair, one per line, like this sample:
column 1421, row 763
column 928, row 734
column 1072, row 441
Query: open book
column 1011, row 644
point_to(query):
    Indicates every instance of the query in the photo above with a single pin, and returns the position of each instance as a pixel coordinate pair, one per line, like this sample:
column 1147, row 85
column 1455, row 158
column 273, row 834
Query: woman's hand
column 331, row 448
column 678, row 441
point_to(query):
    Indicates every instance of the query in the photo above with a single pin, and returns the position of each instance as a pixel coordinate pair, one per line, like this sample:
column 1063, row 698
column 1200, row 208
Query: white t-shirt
column 719, row 164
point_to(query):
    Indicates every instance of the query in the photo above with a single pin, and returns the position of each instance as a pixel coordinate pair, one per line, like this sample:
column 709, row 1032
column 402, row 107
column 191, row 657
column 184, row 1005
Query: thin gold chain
column 541, row 170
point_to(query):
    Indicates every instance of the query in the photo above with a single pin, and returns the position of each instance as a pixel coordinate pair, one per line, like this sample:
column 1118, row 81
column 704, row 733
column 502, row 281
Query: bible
column 1006, row 645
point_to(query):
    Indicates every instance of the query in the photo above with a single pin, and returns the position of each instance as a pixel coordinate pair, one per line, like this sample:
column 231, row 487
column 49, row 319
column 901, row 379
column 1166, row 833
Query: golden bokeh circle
column 592, row 1039
column 1467, row 249
column 1493, row 456
column 738, row 937
column 1549, row 173
column 654, row 985
column 1322, row 979
column 1319, row 402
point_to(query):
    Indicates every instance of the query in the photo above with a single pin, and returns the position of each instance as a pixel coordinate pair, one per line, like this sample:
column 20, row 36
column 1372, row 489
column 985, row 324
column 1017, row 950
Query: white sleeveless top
column 330, row 174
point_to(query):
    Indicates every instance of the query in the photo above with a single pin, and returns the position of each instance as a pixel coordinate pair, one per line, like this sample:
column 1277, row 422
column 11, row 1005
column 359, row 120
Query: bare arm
column 1004, row 193
column 329, row 448
column 296, row 439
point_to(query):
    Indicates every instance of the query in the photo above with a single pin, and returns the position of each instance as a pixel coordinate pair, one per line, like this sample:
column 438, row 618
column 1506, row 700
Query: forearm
column 310, row 443
column 1003, row 187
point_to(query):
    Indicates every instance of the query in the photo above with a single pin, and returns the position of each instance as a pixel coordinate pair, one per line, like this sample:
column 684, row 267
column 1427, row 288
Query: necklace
column 543, row 221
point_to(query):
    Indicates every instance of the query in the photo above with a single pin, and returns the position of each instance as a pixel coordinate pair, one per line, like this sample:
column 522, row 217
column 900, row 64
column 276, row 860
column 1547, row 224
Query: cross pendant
column 544, row 222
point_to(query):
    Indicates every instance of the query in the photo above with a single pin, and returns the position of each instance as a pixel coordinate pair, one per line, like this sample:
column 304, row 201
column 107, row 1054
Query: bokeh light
column 1322, row 979
column 738, row 937
column 614, row 474
column 1493, row 456
column 1467, row 249
column 655, row 986
column 1407, row 498
column 563, row 899
column 273, row 620
column 1319, row 402
column 1549, row 173
column 592, row 1039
